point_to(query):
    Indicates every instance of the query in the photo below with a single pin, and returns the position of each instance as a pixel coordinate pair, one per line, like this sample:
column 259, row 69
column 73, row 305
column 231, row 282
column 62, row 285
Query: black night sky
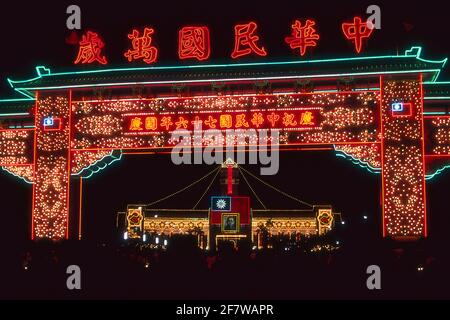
column 33, row 33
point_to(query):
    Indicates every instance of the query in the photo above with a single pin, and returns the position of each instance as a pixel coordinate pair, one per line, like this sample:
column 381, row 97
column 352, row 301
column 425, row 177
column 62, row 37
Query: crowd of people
column 315, row 267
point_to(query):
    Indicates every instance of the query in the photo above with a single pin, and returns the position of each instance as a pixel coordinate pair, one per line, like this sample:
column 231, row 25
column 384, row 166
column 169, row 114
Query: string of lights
column 51, row 176
column 367, row 153
column 441, row 135
column 302, row 118
column 404, row 210
column 15, row 147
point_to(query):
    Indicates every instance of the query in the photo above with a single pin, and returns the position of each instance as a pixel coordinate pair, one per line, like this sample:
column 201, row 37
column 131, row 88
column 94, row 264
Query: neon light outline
column 436, row 172
column 96, row 164
column 294, row 62
column 380, row 107
column 207, row 43
column 357, row 161
column 5, row 168
column 225, row 80
column 142, row 47
column 357, row 37
column 249, row 40
column 425, row 220
column 296, row 40
column 413, row 52
column 93, row 42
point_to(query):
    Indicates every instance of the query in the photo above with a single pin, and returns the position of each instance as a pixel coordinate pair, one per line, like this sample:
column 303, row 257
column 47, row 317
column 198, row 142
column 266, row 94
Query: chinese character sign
column 303, row 37
column 290, row 119
column 246, row 41
column 356, row 31
column 90, row 48
column 142, row 46
column 194, row 43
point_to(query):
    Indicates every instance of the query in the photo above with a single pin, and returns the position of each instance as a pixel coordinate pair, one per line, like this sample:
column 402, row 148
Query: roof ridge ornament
column 414, row 51
column 43, row 71
column 229, row 162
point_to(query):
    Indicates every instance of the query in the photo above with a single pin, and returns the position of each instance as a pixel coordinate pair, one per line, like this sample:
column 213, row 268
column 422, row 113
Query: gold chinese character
column 211, row 122
column 166, row 122
column 136, row 124
column 257, row 119
column 307, row 118
column 288, row 120
column 181, row 123
column 151, row 123
column 226, row 121
column 240, row 121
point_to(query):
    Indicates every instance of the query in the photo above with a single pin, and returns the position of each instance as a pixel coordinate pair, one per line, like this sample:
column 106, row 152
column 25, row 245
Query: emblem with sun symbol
column 221, row 204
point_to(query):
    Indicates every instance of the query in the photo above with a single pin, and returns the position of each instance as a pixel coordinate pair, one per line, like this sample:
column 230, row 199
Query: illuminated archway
column 370, row 108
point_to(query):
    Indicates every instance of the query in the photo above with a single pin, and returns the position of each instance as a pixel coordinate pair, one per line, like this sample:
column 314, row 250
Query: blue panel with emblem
column 220, row 203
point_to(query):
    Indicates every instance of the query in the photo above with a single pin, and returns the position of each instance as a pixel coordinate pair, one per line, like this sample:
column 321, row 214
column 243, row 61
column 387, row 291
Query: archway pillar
column 50, row 208
column 402, row 158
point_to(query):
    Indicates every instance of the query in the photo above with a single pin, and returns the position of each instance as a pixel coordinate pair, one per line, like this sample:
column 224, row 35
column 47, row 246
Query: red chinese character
column 303, row 37
column 273, row 118
column 356, row 31
column 245, row 41
column 193, row 42
column 90, row 48
column 142, row 48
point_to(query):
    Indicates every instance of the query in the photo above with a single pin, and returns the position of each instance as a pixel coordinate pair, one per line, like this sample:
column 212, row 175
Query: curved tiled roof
column 410, row 62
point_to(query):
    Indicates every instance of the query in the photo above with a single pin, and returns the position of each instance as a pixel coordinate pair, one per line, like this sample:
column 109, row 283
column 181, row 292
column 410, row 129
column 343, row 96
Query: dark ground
column 112, row 270
column 182, row 272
